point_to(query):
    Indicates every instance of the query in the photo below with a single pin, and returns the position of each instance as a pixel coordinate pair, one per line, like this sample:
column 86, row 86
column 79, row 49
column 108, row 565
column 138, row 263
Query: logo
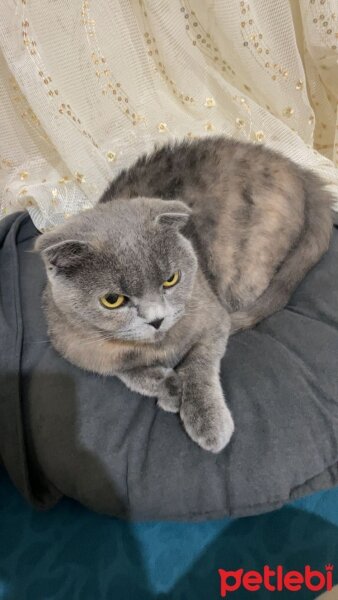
column 276, row 580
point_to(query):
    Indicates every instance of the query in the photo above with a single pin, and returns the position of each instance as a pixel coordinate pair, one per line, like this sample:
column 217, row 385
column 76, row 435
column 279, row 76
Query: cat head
column 122, row 269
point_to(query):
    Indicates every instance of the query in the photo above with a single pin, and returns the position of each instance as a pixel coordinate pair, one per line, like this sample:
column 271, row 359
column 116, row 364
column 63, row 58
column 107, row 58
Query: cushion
column 71, row 553
column 67, row 432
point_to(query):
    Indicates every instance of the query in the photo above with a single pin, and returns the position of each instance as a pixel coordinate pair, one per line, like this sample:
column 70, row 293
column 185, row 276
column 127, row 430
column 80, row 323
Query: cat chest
column 125, row 357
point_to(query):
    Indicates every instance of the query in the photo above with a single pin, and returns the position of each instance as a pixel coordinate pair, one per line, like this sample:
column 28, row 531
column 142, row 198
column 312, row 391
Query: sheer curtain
column 87, row 86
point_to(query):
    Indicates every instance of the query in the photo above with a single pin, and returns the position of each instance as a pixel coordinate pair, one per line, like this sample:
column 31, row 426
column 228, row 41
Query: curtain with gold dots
column 87, row 86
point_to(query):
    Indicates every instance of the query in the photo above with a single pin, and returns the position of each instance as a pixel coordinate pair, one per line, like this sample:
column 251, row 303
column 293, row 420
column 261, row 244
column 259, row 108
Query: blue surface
column 70, row 553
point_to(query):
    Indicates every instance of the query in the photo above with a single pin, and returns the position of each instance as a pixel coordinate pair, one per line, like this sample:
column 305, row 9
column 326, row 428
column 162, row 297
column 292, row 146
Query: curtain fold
column 86, row 87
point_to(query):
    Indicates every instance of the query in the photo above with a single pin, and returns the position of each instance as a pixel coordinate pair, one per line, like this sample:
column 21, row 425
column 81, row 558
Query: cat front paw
column 209, row 424
column 170, row 394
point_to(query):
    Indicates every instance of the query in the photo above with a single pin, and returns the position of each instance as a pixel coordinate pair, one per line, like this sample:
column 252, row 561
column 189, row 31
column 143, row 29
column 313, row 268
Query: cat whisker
column 94, row 340
column 90, row 338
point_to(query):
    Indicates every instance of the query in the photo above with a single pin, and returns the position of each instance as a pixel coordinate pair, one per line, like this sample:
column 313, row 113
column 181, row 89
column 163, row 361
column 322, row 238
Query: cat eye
column 111, row 301
column 173, row 280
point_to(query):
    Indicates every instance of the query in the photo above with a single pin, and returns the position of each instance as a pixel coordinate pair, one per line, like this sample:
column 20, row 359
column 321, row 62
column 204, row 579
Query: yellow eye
column 113, row 301
column 172, row 280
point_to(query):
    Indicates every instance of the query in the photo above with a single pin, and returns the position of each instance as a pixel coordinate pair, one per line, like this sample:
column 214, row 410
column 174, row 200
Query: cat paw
column 170, row 395
column 210, row 426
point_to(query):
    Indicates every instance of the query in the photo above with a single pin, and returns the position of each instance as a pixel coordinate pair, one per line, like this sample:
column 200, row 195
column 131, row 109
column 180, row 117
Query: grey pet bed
column 64, row 431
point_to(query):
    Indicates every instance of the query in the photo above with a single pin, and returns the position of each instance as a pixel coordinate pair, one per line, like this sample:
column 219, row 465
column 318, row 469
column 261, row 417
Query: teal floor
column 70, row 553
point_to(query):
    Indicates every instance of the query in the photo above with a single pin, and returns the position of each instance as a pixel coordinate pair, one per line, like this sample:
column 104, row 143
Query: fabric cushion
column 65, row 431
column 71, row 553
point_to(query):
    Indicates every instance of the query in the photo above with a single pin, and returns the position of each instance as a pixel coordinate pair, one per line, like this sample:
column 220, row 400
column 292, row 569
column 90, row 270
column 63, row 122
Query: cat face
column 122, row 270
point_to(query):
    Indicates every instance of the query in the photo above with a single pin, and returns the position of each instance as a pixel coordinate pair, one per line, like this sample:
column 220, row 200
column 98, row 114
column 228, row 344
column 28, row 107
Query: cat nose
column 157, row 323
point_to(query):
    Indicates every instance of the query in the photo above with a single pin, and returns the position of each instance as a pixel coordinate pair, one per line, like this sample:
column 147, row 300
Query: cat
column 190, row 244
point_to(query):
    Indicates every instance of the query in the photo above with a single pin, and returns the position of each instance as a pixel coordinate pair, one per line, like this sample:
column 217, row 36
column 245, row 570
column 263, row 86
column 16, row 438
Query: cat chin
column 151, row 338
column 159, row 336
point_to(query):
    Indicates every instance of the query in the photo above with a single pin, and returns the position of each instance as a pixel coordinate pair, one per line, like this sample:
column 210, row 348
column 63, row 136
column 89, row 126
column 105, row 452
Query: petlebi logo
column 276, row 580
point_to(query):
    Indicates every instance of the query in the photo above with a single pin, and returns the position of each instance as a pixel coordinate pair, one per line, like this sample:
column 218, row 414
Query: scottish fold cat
column 191, row 243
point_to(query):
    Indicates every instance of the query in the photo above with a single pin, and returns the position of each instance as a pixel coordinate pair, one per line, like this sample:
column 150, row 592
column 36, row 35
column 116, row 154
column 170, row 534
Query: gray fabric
column 14, row 452
column 92, row 439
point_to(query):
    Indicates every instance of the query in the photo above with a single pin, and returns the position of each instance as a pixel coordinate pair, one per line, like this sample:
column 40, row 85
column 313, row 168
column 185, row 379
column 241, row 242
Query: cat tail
column 313, row 243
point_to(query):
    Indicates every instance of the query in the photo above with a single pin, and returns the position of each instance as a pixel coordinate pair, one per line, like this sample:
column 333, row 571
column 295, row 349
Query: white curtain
column 89, row 85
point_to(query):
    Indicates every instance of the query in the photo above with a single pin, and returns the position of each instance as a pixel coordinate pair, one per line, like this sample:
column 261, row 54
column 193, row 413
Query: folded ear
column 175, row 214
column 65, row 256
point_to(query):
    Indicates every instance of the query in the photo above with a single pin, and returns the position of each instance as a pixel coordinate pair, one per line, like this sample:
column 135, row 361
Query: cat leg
column 204, row 413
column 159, row 382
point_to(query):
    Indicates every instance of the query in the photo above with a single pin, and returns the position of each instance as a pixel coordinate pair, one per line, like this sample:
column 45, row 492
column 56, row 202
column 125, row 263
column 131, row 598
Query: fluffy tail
column 311, row 247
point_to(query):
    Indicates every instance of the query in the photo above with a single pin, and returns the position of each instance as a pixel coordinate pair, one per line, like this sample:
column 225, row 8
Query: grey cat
column 197, row 240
